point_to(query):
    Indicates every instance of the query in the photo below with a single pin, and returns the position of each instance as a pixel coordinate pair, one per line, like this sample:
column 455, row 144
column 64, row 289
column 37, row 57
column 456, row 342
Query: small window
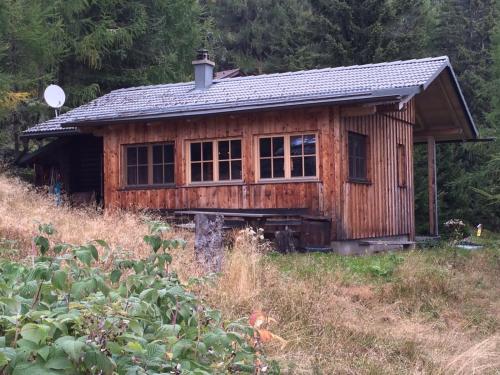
column 229, row 160
column 402, row 166
column 149, row 164
column 303, row 155
column 163, row 164
column 272, row 157
column 213, row 161
column 137, row 165
column 357, row 157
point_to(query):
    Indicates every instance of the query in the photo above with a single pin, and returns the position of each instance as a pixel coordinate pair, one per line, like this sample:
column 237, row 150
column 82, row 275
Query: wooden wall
column 328, row 195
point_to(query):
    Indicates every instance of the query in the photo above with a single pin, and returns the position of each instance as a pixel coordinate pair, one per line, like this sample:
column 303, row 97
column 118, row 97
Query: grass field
column 432, row 311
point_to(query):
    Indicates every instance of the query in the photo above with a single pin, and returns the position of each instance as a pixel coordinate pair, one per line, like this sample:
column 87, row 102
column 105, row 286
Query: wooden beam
column 358, row 110
column 432, row 186
column 436, row 132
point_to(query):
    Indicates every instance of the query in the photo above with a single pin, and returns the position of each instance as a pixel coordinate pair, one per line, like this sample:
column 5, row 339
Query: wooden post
column 209, row 241
column 432, row 186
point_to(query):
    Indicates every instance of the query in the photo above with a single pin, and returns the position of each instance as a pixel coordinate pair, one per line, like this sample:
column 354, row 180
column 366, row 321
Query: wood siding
column 353, row 215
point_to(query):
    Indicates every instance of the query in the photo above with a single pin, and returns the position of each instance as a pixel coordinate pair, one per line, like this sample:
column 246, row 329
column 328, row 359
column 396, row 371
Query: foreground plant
column 63, row 316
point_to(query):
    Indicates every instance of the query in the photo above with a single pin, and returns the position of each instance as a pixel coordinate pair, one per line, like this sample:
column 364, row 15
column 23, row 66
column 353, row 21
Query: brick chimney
column 203, row 70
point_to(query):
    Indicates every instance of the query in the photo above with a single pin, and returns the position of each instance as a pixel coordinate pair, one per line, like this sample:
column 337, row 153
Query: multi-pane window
column 202, row 161
column 137, row 165
column 272, row 157
column 163, row 164
column 402, row 167
column 357, row 157
column 229, row 160
column 217, row 160
column 149, row 164
column 287, row 157
column 303, row 155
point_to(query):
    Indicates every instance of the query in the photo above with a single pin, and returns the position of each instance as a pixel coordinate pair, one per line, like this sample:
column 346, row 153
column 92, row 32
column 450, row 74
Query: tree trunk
column 209, row 241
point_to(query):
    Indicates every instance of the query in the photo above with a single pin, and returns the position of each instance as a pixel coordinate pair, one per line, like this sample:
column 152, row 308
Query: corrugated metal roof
column 240, row 93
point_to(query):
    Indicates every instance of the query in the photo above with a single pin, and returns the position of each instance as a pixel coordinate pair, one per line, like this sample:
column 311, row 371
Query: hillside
column 425, row 311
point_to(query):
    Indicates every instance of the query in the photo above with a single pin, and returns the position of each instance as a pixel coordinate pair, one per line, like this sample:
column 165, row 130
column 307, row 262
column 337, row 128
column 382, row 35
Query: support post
column 432, row 186
column 209, row 241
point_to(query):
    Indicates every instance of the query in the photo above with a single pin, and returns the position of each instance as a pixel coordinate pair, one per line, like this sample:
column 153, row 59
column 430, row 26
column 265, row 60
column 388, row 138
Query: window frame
column 287, row 158
column 356, row 178
column 149, row 146
column 215, row 161
column 402, row 165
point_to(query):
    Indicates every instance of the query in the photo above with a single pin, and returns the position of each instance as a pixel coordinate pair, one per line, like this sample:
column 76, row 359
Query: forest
column 90, row 47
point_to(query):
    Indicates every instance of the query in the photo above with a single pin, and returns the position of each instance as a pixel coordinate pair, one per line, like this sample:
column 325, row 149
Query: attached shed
column 336, row 143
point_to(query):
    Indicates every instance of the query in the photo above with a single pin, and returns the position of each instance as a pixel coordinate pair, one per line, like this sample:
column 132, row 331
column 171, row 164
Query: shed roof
column 360, row 83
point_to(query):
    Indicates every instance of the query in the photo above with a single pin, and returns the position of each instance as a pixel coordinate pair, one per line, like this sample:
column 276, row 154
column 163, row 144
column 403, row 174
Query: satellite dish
column 54, row 96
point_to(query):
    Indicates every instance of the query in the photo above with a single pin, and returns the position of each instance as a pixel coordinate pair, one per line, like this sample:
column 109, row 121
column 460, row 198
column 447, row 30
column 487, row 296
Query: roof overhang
column 441, row 110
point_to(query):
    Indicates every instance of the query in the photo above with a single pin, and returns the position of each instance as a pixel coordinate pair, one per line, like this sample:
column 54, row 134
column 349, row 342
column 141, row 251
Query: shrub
column 60, row 315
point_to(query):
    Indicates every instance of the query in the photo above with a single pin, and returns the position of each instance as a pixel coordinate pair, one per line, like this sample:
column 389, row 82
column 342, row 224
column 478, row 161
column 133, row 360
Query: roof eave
column 383, row 95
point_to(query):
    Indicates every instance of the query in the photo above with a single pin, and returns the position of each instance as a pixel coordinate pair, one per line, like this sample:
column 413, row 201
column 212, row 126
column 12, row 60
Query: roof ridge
column 283, row 74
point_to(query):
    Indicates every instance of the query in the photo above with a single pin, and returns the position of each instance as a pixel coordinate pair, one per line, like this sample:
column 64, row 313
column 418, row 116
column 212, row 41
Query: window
column 151, row 164
column 287, row 157
column 402, row 167
column 137, row 165
column 229, row 160
column 163, row 164
column 303, row 154
column 214, row 161
column 357, row 157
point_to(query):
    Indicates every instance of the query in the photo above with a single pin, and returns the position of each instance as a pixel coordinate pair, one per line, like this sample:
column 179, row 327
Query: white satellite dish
column 54, row 96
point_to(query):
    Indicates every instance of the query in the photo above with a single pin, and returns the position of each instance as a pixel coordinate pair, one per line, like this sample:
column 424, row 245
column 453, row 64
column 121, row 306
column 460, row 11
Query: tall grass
column 417, row 312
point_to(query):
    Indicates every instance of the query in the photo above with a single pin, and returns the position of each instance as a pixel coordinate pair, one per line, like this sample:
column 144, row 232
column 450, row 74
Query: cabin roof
column 381, row 83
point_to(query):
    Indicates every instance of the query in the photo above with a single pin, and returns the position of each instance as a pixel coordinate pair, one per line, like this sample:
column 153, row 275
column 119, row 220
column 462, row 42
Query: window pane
column 310, row 166
column 168, row 174
column 296, row 145
column 157, row 154
column 265, row 147
column 224, row 170
column 158, row 174
column 131, row 156
column 278, row 146
column 142, row 175
column 142, row 155
column 236, row 170
column 297, row 167
column 132, row 176
column 265, row 168
column 309, row 144
column 224, row 150
column 279, row 167
column 236, row 149
column 195, row 151
column 195, row 172
column 168, row 153
column 208, row 171
column 207, row 151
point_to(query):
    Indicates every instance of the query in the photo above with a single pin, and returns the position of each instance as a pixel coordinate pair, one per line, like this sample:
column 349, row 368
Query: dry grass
column 423, row 312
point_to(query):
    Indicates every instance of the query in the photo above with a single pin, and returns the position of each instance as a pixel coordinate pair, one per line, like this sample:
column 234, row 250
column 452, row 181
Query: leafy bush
column 61, row 315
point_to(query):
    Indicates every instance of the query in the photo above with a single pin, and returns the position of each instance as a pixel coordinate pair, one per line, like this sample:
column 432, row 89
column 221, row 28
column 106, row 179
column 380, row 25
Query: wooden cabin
column 333, row 143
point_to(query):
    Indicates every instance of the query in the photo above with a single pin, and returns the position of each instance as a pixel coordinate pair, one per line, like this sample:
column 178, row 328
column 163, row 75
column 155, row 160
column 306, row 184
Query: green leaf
column 36, row 333
column 60, row 280
column 84, row 255
column 94, row 252
column 73, row 348
column 180, row 348
column 59, row 362
column 44, row 352
column 134, row 347
column 139, row 267
column 101, row 362
column 4, row 360
column 115, row 276
column 154, row 241
column 42, row 243
column 102, row 243
column 60, row 247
